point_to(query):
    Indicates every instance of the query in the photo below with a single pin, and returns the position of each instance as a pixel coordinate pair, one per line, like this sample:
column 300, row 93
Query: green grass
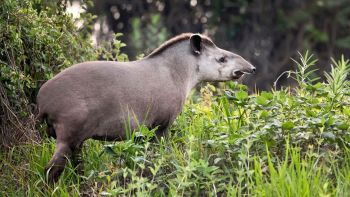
column 225, row 142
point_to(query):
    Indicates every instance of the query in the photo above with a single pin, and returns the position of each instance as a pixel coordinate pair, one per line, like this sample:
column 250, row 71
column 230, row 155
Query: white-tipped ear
column 196, row 43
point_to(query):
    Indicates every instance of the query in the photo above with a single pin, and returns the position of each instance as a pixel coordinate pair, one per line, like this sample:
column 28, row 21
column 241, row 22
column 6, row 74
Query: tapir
column 103, row 99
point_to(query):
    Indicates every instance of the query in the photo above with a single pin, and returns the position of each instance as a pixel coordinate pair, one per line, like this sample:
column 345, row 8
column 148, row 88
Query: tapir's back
column 79, row 84
column 83, row 96
column 102, row 96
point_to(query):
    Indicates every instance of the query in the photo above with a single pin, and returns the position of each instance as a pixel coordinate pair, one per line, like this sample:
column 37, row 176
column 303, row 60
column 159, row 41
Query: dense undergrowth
column 288, row 142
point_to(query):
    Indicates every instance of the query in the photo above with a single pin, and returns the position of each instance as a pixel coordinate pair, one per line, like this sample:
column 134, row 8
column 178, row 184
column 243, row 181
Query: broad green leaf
column 288, row 125
column 260, row 100
column 267, row 95
column 241, row 95
column 346, row 111
column 343, row 126
column 264, row 114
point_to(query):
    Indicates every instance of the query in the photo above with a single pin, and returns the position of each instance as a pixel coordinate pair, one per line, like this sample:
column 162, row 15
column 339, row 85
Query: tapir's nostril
column 253, row 70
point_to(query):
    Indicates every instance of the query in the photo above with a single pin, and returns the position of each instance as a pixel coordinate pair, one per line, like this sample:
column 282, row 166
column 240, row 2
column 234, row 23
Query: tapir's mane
column 177, row 39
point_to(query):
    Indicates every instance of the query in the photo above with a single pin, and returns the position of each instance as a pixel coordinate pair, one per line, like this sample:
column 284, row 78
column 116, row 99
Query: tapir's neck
column 181, row 65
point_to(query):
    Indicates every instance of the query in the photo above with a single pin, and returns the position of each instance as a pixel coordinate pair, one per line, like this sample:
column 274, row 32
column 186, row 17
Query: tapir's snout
column 250, row 70
column 244, row 68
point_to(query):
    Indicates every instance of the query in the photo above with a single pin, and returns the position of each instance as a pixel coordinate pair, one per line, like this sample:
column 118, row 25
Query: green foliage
column 304, row 72
column 279, row 143
column 111, row 51
column 337, row 78
column 148, row 36
column 36, row 42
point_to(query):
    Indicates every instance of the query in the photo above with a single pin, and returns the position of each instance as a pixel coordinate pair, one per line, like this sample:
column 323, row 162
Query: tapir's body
column 104, row 99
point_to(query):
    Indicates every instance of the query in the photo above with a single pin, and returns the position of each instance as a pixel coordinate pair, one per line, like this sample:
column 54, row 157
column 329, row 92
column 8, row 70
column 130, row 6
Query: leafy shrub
column 37, row 40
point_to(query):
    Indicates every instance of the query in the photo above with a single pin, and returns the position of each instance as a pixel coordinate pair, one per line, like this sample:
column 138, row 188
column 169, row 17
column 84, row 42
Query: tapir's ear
column 196, row 43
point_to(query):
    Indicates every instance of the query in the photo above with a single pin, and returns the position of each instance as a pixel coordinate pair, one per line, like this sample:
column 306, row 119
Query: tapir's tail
column 42, row 117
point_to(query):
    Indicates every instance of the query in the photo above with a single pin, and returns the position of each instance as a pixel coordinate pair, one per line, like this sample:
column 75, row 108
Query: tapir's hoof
column 53, row 173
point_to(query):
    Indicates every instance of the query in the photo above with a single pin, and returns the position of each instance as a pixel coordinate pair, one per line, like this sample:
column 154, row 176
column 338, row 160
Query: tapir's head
column 215, row 64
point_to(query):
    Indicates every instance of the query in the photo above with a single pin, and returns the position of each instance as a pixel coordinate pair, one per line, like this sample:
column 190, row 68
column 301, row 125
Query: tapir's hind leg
column 77, row 161
column 58, row 161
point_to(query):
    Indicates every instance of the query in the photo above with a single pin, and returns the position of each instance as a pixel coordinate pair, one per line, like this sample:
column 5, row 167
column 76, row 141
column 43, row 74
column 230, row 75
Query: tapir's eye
column 222, row 59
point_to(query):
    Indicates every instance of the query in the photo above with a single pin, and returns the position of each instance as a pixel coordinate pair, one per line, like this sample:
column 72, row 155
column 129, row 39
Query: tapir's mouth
column 237, row 74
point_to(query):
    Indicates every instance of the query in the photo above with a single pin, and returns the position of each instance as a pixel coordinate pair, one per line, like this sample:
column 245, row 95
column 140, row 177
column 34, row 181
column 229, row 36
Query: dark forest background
column 266, row 32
